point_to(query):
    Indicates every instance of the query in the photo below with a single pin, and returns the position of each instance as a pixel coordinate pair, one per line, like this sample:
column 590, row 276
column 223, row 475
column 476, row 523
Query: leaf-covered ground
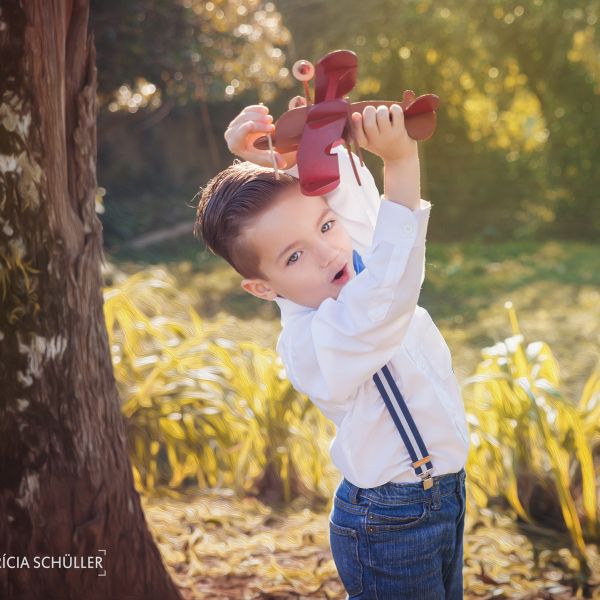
column 220, row 547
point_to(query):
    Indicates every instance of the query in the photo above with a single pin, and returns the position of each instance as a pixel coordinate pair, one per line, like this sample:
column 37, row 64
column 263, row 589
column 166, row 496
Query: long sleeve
column 356, row 206
column 331, row 351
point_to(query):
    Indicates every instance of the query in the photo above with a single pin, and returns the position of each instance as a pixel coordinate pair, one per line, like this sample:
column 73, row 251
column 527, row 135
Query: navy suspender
column 421, row 461
column 406, row 426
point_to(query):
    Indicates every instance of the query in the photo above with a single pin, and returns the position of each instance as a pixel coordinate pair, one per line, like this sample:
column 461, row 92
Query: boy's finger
column 255, row 114
column 263, row 158
column 242, row 129
column 256, row 108
column 296, row 102
column 239, row 132
column 236, row 136
column 397, row 115
column 252, row 126
column 359, row 133
column 250, row 116
column 259, row 117
column 383, row 119
column 369, row 119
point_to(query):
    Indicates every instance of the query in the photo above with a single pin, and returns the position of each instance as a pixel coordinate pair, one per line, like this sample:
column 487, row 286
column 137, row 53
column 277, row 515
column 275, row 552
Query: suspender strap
column 399, row 411
column 405, row 424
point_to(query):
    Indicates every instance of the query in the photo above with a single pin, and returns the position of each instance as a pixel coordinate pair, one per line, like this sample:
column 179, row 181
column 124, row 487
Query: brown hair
column 227, row 205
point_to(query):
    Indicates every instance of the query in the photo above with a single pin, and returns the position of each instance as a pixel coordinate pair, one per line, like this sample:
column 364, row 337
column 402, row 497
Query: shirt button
column 408, row 228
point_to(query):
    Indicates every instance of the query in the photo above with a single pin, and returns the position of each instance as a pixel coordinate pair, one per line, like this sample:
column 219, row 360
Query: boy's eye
column 294, row 257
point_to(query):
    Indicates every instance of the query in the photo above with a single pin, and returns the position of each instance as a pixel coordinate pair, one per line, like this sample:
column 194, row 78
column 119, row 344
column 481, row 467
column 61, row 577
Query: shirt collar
column 289, row 308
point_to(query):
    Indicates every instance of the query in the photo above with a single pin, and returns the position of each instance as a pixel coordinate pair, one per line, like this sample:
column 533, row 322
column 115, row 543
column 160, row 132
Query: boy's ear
column 259, row 288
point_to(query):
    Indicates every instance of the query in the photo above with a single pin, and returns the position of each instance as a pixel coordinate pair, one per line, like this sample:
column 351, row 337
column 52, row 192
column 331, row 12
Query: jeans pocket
column 344, row 548
column 382, row 518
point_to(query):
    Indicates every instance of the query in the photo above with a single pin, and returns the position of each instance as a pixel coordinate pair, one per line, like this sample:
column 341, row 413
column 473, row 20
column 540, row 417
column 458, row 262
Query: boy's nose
column 327, row 255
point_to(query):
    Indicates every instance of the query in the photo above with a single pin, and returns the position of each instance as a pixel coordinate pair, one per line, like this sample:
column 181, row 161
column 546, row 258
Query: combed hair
column 228, row 204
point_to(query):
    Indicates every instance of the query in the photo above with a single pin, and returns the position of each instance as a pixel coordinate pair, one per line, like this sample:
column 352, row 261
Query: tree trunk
column 66, row 487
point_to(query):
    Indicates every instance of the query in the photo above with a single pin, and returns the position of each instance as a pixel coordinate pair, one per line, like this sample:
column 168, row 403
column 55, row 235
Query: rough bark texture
column 66, row 486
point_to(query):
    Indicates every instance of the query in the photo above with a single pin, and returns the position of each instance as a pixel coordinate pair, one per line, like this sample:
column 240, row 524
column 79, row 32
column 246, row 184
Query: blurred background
column 513, row 280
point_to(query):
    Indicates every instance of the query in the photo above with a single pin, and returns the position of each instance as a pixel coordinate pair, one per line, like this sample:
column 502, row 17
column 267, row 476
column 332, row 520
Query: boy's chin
column 333, row 294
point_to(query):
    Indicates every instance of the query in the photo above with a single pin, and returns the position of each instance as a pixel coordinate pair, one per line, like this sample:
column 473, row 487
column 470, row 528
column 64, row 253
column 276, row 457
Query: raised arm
column 330, row 352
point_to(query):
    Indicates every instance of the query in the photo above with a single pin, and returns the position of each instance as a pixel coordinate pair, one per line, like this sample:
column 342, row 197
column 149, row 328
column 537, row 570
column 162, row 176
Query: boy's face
column 302, row 247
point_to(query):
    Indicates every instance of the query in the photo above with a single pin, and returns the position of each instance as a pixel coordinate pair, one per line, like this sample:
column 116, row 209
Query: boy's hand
column 253, row 122
column 381, row 130
column 387, row 137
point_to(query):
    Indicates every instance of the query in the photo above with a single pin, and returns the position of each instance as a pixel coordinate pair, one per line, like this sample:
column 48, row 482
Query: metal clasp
column 426, row 479
column 426, row 474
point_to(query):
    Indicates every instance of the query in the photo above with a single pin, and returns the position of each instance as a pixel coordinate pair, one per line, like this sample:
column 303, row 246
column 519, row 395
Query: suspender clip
column 426, row 479
column 425, row 475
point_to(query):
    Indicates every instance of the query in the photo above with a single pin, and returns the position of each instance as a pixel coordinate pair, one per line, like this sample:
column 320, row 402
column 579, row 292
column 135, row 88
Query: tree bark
column 66, row 487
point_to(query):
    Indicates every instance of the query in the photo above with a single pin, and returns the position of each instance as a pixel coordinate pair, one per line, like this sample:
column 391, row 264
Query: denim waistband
column 406, row 492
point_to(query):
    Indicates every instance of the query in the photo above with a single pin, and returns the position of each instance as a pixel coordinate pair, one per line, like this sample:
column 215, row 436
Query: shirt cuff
column 399, row 225
column 292, row 171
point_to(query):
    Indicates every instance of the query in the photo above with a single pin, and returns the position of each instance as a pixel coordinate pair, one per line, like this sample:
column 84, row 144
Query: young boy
column 354, row 340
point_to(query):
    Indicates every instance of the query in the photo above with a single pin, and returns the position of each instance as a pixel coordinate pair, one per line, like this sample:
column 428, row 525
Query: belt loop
column 353, row 494
column 435, row 495
column 460, row 479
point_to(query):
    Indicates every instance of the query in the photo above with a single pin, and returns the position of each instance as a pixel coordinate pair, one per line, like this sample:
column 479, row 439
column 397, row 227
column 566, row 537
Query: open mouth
column 341, row 274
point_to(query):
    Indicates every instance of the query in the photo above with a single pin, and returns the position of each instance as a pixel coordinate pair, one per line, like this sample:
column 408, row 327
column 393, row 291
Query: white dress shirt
column 331, row 353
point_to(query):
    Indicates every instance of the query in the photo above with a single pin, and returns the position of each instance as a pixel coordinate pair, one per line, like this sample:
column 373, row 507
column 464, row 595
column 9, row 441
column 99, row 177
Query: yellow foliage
column 431, row 56
column 585, row 50
column 502, row 111
column 205, row 407
column 202, row 407
column 523, row 427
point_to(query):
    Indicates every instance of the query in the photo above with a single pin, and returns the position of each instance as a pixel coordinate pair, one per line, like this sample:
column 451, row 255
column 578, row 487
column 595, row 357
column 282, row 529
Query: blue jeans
column 399, row 541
